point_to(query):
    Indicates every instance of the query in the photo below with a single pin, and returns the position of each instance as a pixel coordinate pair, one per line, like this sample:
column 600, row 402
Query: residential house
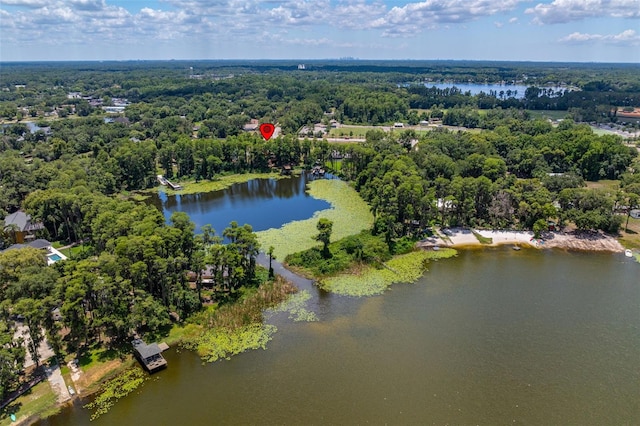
column 53, row 255
column 20, row 223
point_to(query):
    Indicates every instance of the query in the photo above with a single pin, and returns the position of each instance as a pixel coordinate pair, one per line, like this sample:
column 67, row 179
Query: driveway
column 45, row 350
column 57, row 383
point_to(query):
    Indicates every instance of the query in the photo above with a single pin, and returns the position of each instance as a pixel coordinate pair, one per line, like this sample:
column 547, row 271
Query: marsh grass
column 236, row 327
column 349, row 213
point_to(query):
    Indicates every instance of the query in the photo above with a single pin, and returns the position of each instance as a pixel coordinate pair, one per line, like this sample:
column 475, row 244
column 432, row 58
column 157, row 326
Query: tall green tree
column 325, row 227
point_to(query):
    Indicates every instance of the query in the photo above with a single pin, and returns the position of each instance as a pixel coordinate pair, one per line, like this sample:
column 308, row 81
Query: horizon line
column 344, row 59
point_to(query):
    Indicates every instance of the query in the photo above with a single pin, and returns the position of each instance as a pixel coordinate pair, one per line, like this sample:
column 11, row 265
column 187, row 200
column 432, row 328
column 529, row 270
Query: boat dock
column 150, row 356
column 166, row 182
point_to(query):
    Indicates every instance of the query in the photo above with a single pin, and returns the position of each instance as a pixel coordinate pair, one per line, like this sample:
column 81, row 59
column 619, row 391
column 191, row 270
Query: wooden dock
column 174, row 186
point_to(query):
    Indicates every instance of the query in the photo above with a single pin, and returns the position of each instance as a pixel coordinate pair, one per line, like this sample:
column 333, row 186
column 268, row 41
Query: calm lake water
column 475, row 88
column 262, row 203
column 493, row 336
column 489, row 337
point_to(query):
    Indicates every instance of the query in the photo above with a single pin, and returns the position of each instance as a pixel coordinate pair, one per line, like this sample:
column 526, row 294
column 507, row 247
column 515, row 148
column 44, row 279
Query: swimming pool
column 54, row 257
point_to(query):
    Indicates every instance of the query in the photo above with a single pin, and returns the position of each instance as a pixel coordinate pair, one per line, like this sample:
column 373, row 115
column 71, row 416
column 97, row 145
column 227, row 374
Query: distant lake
column 33, row 127
column 262, row 203
column 517, row 90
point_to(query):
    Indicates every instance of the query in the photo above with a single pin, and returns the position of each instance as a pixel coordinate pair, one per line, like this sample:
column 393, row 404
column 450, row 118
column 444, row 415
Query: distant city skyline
column 507, row 30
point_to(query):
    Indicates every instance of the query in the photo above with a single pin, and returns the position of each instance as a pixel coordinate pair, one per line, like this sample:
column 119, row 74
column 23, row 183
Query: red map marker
column 267, row 129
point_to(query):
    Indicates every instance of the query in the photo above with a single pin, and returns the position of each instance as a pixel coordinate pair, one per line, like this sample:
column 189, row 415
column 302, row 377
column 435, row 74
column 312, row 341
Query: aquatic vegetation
column 349, row 213
column 296, row 306
column 223, row 343
column 249, row 308
column 236, row 327
column 360, row 248
column 116, row 388
column 369, row 281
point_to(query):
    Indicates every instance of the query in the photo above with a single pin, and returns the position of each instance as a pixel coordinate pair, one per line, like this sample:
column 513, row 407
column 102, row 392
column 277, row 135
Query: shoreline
column 584, row 241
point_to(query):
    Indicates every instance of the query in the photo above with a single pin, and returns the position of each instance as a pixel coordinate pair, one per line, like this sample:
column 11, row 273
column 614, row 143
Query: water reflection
column 262, row 203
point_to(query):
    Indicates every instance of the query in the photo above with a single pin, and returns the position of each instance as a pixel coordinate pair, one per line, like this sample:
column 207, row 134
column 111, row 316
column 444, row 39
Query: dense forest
column 75, row 173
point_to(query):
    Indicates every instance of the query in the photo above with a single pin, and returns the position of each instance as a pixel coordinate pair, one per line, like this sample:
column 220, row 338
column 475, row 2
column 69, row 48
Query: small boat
column 628, row 253
column 13, row 417
column 516, row 248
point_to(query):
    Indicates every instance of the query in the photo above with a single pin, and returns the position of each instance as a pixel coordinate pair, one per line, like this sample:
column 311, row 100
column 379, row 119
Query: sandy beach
column 460, row 237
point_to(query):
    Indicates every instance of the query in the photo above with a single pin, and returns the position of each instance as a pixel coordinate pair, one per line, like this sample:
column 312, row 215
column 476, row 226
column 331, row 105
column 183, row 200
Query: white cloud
column 25, row 3
column 498, row 24
column 563, row 11
column 89, row 5
column 414, row 17
column 513, row 20
column 301, row 12
column 625, row 38
column 356, row 14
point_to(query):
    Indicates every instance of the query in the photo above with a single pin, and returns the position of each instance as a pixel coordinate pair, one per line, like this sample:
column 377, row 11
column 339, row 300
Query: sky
column 512, row 30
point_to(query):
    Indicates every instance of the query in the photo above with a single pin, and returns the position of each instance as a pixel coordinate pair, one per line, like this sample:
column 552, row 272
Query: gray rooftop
column 22, row 221
column 146, row 351
column 39, row 244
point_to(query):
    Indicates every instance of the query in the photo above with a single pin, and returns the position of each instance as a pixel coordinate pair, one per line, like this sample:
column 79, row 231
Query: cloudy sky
column 536, row 30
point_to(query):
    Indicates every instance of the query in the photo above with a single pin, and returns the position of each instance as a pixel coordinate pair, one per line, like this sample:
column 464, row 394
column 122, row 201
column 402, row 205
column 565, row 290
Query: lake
column 493, row 336
column 262, row 203
column 517, row 90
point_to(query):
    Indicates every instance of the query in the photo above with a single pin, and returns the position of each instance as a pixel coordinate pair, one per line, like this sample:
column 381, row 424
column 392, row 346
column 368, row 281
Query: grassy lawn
column 99, row 364
column 335, row 165
column 70, row 252
column 631, row 238
column 359, row 132
column 351, row 131
column 611, row 185
column 39, row 401
column 601, row 132
column 553, row 114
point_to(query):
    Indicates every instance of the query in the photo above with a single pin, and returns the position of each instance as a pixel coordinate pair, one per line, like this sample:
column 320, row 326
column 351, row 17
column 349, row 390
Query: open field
column 359, row 132
column 610, row 185
column 550, row 114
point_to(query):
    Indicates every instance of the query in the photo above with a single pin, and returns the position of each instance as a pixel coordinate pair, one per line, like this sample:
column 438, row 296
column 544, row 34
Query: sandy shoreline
column 459, row 237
